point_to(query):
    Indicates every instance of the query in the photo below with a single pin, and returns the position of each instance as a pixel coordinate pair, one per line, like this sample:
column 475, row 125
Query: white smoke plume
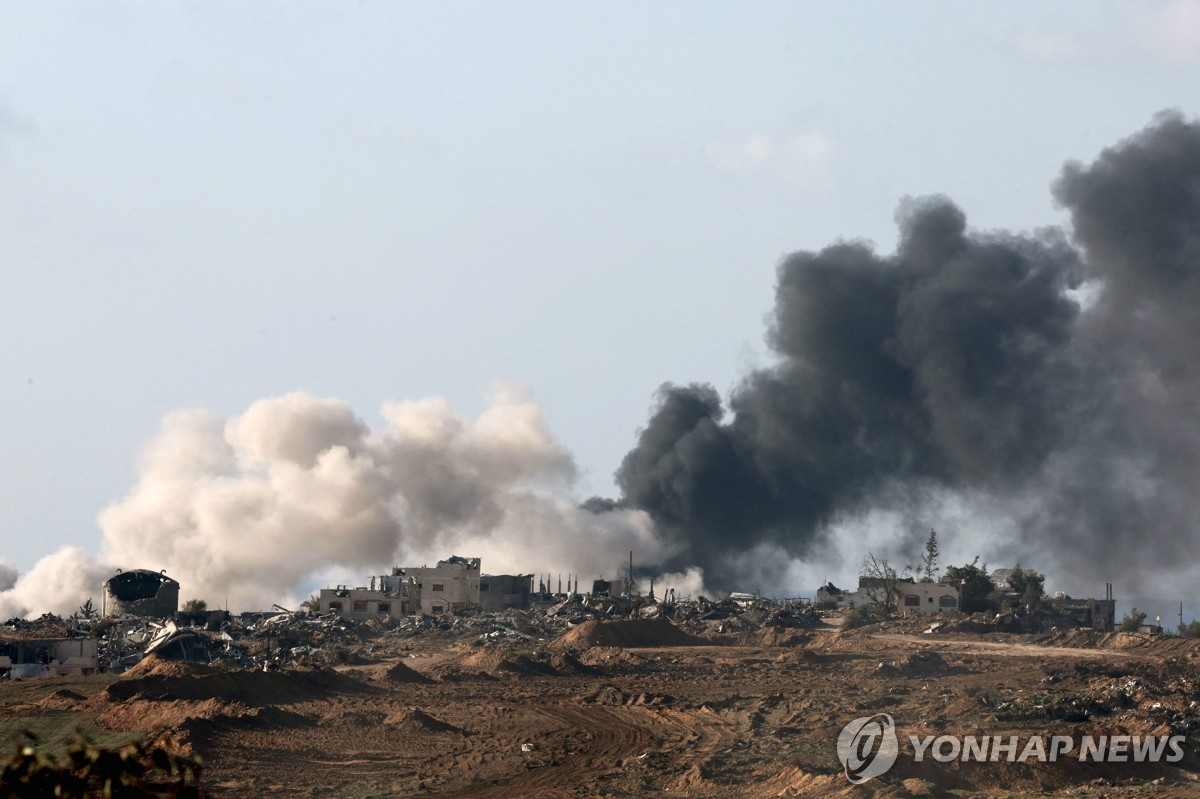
column 8, row 575
column 244, row 511
column 59, row 583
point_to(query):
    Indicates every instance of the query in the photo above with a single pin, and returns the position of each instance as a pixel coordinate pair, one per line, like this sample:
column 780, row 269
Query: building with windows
column 452, row 586
column 911, row 596
column 927, row 597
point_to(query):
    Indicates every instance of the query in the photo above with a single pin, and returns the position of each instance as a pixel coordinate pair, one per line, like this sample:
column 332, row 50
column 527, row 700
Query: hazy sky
column 205, row 204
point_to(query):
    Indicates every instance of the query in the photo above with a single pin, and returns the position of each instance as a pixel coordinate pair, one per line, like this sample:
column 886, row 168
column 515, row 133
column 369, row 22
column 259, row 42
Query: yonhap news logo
column 869, row 746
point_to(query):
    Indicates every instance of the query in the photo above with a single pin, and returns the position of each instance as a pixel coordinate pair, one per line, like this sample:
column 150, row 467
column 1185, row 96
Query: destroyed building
column 910, row 596
column 453, row 585
column 360, row 604
column 499, row 592
column 140, row 592
column 1097, row 614
column 48, row 657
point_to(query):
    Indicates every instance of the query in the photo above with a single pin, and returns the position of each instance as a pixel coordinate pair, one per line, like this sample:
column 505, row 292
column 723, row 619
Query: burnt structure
column 499, row 592
column 141, row 593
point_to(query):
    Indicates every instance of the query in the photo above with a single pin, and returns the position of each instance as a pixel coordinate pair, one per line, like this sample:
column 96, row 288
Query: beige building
column 453, row 585
column 911, row 597
column 927, row 597
column 64, row 657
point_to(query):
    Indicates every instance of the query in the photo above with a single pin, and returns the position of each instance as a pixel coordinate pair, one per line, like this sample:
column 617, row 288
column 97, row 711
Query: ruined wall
column 360, row 604
column 141, row 593
column 499, row 592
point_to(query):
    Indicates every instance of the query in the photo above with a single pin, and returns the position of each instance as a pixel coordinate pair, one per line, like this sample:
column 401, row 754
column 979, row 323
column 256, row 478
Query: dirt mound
column 415, row 720
column 252, row 688
column 400, row 673
column 779, row 636
column 141, row 714
column 153, row 665
column 798, row 657
column 612, row 657
column 494, row 661
column 631, row 633
column 62, row 699
column 921, row 664
column 566, row 663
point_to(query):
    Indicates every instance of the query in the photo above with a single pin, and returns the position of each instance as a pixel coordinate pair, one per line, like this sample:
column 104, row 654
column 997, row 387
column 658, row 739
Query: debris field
column 712, row 703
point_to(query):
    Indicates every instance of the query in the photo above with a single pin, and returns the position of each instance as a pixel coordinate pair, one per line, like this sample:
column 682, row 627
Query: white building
column 927, row 597
column 911, row 597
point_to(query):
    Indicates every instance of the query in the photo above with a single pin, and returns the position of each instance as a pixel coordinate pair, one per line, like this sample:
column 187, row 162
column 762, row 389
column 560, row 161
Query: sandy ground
column 573, row 719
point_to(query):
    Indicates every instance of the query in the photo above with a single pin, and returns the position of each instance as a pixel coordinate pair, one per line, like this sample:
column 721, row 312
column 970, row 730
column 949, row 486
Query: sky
column 202, row 205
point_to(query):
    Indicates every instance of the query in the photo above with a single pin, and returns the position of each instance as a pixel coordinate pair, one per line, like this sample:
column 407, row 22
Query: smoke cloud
column 1033, row 396
column 246, row 511
column 58, row 583
column 251, row 507
column 1054, row 385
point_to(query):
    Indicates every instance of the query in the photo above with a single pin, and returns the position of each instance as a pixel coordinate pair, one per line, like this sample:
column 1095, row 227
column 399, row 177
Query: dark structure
column 1098, row 614
column 141, row 593
column 499, row 592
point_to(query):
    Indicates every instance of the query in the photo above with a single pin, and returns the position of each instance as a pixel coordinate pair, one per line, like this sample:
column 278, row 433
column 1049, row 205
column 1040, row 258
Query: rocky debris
column 612, row 696
column 283, row 639
column 922, row 664
column 632, row 633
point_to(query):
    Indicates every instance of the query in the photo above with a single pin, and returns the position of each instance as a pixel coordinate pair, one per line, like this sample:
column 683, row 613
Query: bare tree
column 880, row 581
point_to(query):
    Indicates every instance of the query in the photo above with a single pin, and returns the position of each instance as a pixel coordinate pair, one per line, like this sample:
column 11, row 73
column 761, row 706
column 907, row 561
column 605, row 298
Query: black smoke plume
column 1055, row 375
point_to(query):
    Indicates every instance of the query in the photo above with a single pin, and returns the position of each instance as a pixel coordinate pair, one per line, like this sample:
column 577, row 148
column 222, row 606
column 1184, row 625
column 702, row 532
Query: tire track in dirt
column 1008, row 649
column 607, row 740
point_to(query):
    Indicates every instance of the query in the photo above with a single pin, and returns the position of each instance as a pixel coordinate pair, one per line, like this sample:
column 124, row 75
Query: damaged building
column 141, row 593
column 454, row 585
column 41, row 657
column 910, row 596
column 1096, row 614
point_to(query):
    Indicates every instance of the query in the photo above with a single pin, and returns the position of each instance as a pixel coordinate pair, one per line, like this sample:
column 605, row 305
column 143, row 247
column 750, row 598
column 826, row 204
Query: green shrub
column 85, row 771
column 1133, row 621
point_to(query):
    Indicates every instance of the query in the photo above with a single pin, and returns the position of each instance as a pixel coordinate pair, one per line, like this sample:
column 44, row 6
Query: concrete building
column 499, row 592
column 927, row 597
column 1098, row 614
column 452, row 586
column 43, row 657
column 141, row 593
column 911, row 596
column 360, row 604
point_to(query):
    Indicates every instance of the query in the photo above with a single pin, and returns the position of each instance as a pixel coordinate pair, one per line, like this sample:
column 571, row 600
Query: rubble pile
column 286, row 639
column 45, row 626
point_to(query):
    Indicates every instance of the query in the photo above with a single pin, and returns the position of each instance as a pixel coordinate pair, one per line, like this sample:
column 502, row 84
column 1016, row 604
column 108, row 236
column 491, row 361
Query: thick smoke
column 58, row 583
column 966, row 364
column 246, row 511
column 1035, row 395
column 8, row 575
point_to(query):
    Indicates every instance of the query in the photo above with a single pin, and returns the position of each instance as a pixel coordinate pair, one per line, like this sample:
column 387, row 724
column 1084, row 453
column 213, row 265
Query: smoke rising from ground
column 246, row 510
column 1033, row 396
column 59, row 583
column 964, row 364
